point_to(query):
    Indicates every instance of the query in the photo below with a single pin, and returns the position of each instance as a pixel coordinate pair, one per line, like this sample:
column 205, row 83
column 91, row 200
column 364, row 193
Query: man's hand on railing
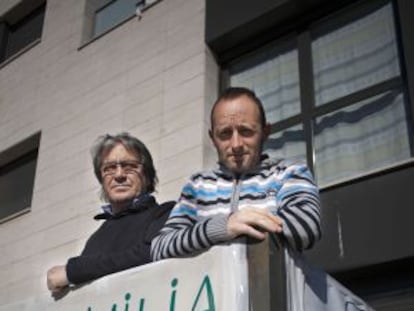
column 255, row 223
column 57, row 279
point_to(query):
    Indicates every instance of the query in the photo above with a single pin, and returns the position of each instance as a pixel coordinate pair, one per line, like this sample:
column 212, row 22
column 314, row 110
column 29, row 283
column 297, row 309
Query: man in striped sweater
column 248, row 194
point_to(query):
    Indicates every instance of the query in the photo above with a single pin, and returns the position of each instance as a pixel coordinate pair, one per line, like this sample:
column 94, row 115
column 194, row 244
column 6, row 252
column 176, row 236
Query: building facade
column 336, row 77
column 73, row 79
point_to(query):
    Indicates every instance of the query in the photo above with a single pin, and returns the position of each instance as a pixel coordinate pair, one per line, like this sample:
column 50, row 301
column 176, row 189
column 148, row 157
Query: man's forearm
column 182, row 236
column 300, row 209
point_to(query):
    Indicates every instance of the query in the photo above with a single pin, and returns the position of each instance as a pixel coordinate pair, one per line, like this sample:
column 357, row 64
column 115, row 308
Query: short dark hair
column 105, row 143
column 236, row 92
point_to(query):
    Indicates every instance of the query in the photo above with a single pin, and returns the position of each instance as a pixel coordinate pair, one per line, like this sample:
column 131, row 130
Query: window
column 17, row 172
column 103, row 16
column 114, row 13
column 21, row 28
column 334, row 94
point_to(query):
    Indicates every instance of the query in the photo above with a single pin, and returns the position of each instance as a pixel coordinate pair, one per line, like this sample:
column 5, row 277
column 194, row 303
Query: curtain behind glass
column 287, row 144
column 274, row 77
column 356, row 56
column 361, row 138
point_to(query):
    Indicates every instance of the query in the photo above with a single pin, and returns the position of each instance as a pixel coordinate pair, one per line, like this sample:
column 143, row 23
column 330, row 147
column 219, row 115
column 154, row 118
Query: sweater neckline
column 138, row 204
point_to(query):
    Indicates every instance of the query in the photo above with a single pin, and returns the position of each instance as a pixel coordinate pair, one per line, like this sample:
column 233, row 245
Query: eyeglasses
column 128, row 167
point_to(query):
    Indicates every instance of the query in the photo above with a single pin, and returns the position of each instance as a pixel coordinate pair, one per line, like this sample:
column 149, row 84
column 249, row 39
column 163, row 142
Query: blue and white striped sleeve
column 184, row 233
column 299, row 207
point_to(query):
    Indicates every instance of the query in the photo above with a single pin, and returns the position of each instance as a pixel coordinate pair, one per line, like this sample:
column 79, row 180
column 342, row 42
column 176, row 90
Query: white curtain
column 371, row 134
column 274, row 77
column 289, row 143
column 355, row 56
column 361, row 138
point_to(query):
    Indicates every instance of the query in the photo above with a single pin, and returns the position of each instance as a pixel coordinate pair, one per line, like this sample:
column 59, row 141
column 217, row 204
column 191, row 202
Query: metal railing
column 267, row 276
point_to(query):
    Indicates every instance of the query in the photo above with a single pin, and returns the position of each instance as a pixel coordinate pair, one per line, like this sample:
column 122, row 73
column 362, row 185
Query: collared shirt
column 139, row 202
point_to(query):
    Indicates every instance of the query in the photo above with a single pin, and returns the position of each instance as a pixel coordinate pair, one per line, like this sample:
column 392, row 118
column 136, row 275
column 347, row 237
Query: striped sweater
column 199, row 219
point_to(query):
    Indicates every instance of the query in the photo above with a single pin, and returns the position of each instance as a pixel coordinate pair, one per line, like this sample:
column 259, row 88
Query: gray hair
column 105, row 143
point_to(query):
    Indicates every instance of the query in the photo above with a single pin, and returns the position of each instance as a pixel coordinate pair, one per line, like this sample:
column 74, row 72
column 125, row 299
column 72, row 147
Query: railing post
column 267, row 277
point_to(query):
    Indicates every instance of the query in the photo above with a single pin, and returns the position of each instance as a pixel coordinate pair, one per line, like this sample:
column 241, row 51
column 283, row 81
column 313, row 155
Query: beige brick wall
column 153, row 77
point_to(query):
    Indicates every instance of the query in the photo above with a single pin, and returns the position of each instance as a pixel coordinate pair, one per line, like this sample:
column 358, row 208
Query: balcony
column 228, row 277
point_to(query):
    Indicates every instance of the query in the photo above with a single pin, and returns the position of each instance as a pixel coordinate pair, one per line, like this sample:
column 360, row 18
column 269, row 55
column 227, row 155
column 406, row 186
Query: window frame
column 115, row 24
column 20, row 16
column 88, row 33
column 15, row 157
column 309, row 111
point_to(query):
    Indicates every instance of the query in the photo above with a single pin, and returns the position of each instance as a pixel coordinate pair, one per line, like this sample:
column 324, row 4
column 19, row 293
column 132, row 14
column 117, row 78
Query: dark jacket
column 123, row 241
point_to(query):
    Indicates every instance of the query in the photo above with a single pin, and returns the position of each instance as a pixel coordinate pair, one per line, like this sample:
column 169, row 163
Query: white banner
column 213, row 281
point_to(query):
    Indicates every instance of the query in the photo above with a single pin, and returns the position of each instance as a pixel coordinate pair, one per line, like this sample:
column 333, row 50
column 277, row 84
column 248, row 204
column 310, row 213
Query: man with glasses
column 124, row 168
column 248, row 194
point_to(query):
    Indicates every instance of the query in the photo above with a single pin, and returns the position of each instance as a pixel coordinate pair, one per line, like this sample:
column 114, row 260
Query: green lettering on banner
column 208, row 290
column 203, row 301
column 141, row 304
column 174, row 283
column 127, row 298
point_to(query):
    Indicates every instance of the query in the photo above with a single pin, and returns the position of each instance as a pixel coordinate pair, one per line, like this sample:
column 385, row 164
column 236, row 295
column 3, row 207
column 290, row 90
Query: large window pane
column 17, row 175
column 113, row 14
column 289, row 143
column 16, row 185
column 274, row 77
column 356, row 56
column 25, row 30
column 360, row 138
